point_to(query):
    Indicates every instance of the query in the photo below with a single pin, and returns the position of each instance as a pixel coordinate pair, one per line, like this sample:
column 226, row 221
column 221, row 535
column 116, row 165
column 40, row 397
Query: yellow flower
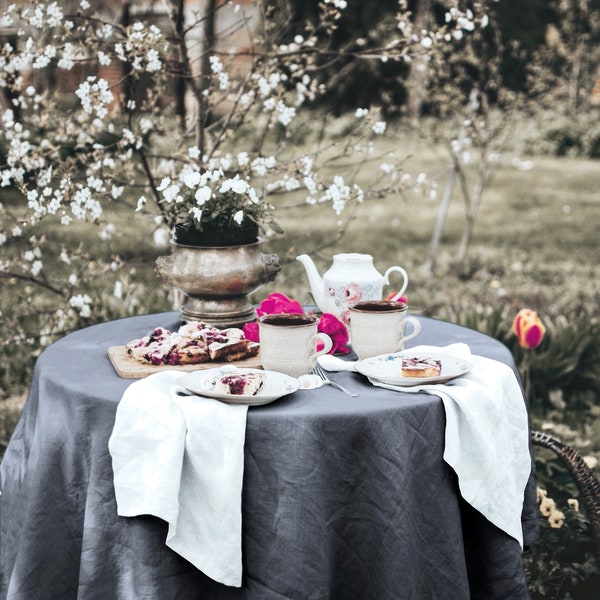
column 556, row 519
column 547, row 506
column 540, row 494
column 574, row 504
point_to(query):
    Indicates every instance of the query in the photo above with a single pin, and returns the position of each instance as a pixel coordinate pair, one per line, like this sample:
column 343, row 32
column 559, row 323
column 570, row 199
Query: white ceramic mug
column 288, row 343
column 378, row 327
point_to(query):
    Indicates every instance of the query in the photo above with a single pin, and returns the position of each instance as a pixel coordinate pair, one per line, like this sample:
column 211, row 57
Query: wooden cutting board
column 129, row 368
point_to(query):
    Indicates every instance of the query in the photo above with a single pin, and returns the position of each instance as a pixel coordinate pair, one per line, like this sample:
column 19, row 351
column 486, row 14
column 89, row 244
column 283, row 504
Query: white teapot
column 351, row 278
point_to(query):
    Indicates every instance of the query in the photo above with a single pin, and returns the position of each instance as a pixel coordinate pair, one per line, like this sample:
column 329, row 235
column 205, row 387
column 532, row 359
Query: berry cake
column 240, row 384
column 421, row 366
column 191, row 344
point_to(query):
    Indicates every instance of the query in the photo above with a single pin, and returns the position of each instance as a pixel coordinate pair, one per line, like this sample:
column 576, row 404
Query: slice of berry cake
column 421, row 366
column 240, row 384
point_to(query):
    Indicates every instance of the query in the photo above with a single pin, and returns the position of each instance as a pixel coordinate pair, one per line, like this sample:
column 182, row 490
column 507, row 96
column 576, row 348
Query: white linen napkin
column 487, row 436
column 182, row 459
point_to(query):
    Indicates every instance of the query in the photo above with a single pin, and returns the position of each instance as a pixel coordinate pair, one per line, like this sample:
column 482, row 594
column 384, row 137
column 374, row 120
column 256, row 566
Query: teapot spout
column 315, row 281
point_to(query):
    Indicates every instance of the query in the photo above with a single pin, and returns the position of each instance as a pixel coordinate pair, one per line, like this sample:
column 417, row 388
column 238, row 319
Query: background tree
column 91, row 126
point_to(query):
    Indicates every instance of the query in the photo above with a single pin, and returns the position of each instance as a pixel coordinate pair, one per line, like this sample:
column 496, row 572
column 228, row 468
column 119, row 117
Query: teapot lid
column 352, row 256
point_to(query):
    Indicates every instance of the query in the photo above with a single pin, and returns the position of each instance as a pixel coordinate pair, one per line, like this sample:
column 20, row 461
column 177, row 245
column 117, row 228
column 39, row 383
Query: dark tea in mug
column 288, row 319
column 379, row 306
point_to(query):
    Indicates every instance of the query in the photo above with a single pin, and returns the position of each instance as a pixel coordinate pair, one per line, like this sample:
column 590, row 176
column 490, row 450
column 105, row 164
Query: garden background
column 476, row 159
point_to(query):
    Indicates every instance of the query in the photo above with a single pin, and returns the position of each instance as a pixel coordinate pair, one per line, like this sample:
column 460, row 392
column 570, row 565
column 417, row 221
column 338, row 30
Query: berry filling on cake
column 242, row 384
column 418, row 366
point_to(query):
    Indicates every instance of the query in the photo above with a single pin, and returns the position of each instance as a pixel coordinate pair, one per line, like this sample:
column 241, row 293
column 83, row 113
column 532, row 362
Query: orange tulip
column 528, row 328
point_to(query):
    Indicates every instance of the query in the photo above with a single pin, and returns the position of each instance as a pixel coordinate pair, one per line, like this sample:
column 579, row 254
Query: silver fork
column 318, row 370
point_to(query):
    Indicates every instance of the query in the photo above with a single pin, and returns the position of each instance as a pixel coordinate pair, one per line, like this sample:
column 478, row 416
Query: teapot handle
column 404, row 284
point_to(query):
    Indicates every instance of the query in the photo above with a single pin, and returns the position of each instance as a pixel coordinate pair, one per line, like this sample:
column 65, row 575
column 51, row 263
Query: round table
column 343, row 498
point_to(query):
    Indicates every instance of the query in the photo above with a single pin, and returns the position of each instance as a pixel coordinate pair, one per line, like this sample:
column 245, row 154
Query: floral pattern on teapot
column 351, row 293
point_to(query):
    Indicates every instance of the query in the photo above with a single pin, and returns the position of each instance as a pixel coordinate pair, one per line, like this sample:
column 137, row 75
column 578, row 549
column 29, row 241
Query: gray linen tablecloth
column 343, row 498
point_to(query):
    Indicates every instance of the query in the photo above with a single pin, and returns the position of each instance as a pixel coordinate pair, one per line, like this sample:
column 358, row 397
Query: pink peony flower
column 251, row 331
column 336, row 330
column 276, row 303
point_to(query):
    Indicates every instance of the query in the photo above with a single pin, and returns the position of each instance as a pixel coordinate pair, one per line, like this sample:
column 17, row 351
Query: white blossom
column 191, row 179
column 239, row 217
column 165, row 182
column 104, row 59
column 203, row 195
column 379, row 127
column 285, row 114
column 108, row 231
column 95, row 96
column 81, row 302
column 160, row 237
column 216, row 66
column 36, row 267
column 340, row 4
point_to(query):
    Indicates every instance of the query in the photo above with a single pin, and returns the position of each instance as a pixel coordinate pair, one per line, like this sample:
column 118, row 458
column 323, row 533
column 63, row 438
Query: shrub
column 561, row 563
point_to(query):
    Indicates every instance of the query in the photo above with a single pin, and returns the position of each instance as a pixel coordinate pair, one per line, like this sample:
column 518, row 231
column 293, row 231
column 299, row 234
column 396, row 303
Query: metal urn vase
column 216, row 280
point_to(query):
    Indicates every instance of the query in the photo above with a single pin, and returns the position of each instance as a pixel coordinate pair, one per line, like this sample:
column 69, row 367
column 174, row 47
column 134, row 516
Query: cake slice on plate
column 421, row 366
column 240, row 384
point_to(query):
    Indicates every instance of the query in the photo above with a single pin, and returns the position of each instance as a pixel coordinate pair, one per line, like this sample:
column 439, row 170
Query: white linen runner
column 182, row 459
column 487, row 436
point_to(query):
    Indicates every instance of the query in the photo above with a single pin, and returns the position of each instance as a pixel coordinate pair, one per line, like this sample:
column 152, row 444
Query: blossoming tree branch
column 171, row 119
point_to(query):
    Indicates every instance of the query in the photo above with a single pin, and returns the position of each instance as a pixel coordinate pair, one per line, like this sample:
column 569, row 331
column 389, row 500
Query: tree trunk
column 416, row 81
column 473, row 202
column 441, row 218
column 208, row 43
column 179, row 77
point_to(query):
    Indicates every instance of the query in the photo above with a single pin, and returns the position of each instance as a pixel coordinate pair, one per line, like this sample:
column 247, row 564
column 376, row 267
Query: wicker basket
column 586, row 481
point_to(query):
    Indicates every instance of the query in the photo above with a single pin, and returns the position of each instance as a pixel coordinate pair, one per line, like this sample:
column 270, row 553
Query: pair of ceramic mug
column 288, row 342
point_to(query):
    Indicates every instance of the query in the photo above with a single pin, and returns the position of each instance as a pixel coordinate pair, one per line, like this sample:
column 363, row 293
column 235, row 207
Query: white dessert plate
column 275, row 386
column 387, row 368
